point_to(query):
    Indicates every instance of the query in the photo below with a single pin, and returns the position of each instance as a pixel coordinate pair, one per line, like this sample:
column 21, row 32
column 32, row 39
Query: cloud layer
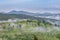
column 36, row 5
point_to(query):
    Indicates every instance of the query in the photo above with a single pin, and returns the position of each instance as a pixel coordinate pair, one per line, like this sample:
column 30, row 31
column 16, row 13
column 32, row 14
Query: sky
column 30, row 5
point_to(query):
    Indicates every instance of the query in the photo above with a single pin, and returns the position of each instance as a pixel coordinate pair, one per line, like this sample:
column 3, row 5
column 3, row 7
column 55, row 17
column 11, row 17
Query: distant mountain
column 25, row 13
column 5, row 16
column 19, row 12
column 32, row 14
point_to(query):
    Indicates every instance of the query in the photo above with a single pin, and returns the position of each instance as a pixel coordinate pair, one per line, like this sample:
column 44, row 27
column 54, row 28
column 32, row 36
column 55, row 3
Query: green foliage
column 10, row 33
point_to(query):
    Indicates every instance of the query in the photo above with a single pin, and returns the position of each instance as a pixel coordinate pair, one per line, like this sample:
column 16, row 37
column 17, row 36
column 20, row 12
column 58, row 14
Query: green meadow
column 28, row 30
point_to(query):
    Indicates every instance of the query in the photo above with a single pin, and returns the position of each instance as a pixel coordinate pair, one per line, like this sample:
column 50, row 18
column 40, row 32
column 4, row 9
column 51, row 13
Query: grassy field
column 26, row 30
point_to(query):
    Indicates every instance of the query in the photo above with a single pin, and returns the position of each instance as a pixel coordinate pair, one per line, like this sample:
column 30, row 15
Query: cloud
column 32, row 5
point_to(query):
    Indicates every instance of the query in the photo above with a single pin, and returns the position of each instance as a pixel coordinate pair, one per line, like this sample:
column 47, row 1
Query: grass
column 25, row 31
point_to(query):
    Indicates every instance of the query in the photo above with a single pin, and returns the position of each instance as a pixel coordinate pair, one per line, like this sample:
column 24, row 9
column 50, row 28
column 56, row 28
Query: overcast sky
column 32, row 5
